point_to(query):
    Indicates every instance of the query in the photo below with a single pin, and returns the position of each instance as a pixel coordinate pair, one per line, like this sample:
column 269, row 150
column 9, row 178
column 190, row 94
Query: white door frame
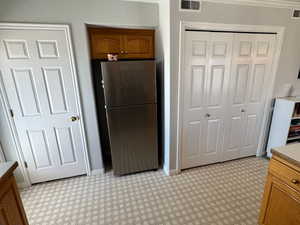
column 279, row 30
column 2, row 157
column 4, row 98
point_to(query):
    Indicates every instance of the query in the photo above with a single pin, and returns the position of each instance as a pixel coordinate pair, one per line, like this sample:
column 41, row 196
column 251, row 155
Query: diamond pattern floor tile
column 221, row 194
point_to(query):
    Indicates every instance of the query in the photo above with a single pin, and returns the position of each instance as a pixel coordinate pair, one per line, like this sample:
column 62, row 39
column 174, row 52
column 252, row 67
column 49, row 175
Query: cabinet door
column 139, row 46
column 11, row 209
column 103, row 44
column 281, row 204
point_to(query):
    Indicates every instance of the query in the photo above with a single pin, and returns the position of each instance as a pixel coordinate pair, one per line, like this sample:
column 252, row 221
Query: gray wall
column 163, row 57
column 234, row 14
column 77, row 13
column 7, row 142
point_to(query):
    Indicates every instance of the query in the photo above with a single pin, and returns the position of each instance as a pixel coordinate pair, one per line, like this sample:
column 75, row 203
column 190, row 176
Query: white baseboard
column 22, row 185
column 97, row 172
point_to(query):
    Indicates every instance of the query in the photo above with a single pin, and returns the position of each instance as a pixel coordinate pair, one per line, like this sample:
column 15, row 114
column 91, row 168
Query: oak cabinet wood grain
column 126, row 43
column 11, row 208
column 105, row 44
column 138, row 46
column 281, row 200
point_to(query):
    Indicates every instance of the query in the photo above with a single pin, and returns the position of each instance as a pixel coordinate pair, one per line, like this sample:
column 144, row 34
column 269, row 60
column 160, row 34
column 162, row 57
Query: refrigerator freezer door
column 129, row 83
column 133, row 138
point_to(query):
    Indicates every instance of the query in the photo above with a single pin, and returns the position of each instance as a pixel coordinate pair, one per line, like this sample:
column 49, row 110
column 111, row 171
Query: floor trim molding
column 22, row 185
column 97, row 172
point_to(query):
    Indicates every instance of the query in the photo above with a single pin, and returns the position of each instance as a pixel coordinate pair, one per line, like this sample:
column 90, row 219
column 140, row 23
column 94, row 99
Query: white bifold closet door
column 206, row 78
column 223, row 95
column 251, row 69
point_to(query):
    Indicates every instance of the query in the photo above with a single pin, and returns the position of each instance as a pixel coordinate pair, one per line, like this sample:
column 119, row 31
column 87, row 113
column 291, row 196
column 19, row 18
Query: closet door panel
column 262, row 61
column 206, row 78
column 224, row 87
column 194, row 80
column 240, row 80
column 216, row 91
column 213, row 128
column 258, row 80
column 241, row 67
column 251, row 68
column 215, row 86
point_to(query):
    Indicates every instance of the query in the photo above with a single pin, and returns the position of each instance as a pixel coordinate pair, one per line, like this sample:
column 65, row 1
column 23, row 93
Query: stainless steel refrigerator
column 130, row 99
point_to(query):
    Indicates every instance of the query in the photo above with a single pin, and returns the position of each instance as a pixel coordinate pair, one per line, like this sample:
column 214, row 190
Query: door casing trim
column 279, row 30
column 4, row 99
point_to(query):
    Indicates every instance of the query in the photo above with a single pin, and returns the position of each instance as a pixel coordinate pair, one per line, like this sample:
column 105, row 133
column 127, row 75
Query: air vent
column 296, row 13
column 190, row 5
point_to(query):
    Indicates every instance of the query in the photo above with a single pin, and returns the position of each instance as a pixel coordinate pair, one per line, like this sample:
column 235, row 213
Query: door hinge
column 11, row 113
column 25, row 164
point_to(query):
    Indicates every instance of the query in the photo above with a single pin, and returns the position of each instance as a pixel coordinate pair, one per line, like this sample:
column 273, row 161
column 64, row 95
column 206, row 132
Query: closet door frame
column 187, row 25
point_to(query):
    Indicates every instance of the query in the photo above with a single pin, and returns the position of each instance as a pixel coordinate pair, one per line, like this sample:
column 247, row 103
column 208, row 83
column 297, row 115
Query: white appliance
column 285, row 125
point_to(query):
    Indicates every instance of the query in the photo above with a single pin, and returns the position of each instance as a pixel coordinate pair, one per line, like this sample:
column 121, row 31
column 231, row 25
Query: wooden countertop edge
column 9, row 172
column 286, row 158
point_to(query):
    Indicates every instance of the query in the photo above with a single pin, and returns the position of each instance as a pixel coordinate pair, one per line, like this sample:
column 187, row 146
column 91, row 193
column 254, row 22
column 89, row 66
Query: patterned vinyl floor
column 221, row 194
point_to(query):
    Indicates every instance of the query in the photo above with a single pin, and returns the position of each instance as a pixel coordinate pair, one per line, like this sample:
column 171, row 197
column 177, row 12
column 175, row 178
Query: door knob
column 74, row 118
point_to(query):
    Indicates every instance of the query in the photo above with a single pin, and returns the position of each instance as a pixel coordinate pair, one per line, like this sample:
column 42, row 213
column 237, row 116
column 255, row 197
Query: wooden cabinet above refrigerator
column 126, row 43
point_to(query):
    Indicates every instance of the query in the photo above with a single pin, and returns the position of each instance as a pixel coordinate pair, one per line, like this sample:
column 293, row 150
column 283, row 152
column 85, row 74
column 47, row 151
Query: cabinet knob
column 294, row 181
column 207, row 115
column 74, row 118
column 122, row 52
column 243, row 110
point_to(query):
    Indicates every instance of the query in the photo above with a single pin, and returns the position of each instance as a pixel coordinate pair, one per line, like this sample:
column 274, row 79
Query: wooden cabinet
column 138, row 46
column 281, row 201
column 103, row 44
column 11, row 208
column 127, row 43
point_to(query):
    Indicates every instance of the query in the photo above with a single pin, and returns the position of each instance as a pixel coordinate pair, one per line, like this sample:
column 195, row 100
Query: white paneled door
column 223, row 95
column 206, row 77
column 251, row 69
column 39, row 83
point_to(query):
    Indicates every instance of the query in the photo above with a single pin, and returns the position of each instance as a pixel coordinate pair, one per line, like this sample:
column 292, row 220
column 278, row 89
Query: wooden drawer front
column 285, row 173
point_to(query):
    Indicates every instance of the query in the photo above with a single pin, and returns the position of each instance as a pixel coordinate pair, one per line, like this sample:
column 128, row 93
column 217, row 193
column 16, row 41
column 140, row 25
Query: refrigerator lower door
column 133, row 138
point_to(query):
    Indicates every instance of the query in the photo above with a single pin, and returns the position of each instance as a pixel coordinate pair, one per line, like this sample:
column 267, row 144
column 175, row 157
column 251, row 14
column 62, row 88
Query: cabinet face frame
column 178, row 93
